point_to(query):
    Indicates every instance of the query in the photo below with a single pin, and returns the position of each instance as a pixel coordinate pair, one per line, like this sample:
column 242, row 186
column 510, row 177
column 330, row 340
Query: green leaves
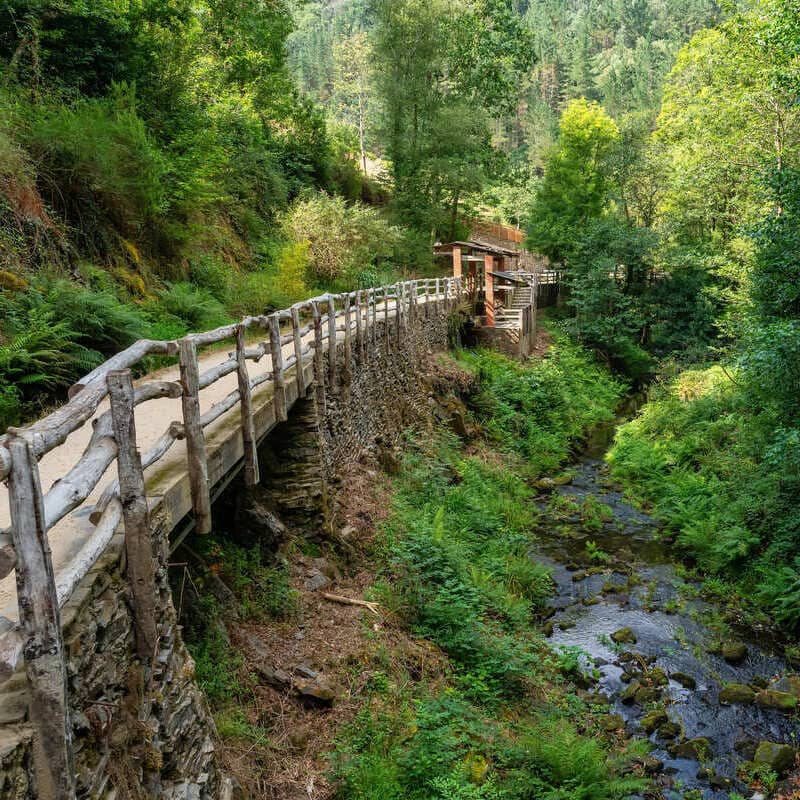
column 577, row 180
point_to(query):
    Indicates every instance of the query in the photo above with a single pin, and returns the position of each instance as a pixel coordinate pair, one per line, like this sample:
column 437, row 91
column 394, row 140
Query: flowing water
column 626, row 580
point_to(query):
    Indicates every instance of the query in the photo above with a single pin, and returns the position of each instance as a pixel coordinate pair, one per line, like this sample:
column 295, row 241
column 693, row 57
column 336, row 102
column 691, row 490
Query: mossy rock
column 624, row 636
column 628, row 696
column 657, row 677
column 566, row 624
column 789, row 683
column 612, row 722
column 734, row 652
column 591, row 601
column 772, row 698
column 687, row 681
column 647, row 694
column 778, row 757
column 654, row 719
column 736, row 693
column 698, row 749
column 669, row 730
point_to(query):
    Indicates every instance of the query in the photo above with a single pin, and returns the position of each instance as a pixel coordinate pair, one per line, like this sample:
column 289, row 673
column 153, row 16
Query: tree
column 576, row 187
column 353, row 87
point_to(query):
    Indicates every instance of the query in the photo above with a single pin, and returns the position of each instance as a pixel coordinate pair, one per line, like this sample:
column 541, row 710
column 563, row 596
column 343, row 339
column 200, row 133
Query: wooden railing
column 361, row 320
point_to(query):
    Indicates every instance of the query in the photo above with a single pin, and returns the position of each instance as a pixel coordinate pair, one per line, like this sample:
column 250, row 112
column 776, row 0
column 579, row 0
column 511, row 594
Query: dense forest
column 169, row 165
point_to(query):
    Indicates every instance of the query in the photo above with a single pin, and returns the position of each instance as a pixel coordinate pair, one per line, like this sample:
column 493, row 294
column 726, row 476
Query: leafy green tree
column 577, row 183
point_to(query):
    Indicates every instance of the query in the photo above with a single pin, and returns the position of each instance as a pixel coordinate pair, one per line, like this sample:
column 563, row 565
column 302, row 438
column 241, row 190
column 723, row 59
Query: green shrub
column 197, row 308
column 213, row 275
column 111, row 180
column 722, row 473
column 343, row 240
column 539, row 410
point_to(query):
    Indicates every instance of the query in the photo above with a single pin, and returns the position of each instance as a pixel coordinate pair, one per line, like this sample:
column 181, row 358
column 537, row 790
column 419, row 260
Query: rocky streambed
column 720, row 707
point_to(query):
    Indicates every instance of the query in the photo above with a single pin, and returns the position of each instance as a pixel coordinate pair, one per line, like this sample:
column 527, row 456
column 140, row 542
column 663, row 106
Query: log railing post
column 195, row 439
column 359, row 327
column 372, row 318
column 278, row 376
column 139, row 555
column 386, row 333
column 251, row 469
column 331, row 342
column 347, row 378
column 298, row 352
column 319, row 370
column 398, row 310
column 436, row 298
column 40, row 623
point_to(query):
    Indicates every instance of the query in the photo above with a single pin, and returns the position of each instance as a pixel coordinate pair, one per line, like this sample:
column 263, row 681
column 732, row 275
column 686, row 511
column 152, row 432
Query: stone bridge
column 97, row 692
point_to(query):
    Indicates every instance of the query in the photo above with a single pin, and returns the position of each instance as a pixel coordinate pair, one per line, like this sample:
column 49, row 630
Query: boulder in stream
column 624, row 636
column 734, row 652
column 736, row 693
column 778, row 757
column 772, row 698
column 698, row 749
column 687, row 681
column 654, row 719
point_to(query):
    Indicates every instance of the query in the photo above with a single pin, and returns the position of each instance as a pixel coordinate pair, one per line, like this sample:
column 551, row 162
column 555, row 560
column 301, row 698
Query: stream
column 664, row 674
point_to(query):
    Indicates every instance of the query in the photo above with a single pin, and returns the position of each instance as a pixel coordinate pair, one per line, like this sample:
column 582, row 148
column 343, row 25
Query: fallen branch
column 349, row 601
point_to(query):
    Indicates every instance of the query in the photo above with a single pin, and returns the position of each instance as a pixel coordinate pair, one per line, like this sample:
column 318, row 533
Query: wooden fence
column 361, row 321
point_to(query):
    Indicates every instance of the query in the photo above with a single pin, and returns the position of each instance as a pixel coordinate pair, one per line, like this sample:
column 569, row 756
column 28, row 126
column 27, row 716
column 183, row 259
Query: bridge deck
column 167, row 479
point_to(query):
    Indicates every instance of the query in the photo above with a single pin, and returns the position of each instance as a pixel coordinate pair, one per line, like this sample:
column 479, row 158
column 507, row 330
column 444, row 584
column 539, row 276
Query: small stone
column 772, row 698
column 628, row 696
column 654, row 719
column 306, row 672
column 734, row 652
column 736, row 693
column 759, row 682
column 719, row 782
column 578, row 576
column 647, row 694
column 317, row 689
column 687, row 681
column 746, row 748
column 657, row 677
column 778, row 757
column 651, row 764
column 624, row 636
column 591, row 601
column 316, row 581
column 789, row 683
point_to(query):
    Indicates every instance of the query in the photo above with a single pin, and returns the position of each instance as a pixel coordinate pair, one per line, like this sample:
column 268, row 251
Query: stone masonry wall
column 365, row 411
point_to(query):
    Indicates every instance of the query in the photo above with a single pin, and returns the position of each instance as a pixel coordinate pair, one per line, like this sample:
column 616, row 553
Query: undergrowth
column 505, row 725
column 725, row 477
column 539, row 411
